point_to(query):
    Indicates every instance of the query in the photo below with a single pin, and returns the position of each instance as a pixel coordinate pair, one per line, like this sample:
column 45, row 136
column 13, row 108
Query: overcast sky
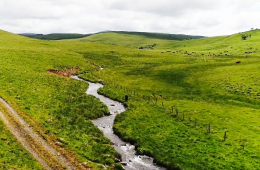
column 193, row 17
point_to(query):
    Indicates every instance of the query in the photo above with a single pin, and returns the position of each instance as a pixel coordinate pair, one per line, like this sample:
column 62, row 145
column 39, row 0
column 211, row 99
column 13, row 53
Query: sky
column 192, row 17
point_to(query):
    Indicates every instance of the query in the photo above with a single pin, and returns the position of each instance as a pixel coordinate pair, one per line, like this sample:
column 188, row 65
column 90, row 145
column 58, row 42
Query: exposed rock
column 112, row 143
column 123, row 163
column 117, row 160
column 59, row 144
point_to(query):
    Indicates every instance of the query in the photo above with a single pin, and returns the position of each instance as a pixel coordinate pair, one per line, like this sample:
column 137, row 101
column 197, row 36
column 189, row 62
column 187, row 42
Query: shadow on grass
column 192, row 89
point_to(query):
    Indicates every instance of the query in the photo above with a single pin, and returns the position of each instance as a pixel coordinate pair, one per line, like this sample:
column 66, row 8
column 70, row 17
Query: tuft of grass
column 12, row 154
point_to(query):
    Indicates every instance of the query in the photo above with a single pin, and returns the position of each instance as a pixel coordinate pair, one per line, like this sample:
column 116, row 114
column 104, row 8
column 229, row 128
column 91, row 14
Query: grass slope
column 12, row 154
column 160, row 35
column 138, row 39
column 59, row 105
column 201, row 81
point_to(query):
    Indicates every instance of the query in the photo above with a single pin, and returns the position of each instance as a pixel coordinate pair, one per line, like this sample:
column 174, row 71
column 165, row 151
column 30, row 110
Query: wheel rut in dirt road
column 38, row 147
column 21, row 138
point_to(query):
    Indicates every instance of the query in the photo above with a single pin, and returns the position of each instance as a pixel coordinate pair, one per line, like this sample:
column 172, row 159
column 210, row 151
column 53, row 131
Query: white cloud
column 166, row 7
column 200, row 17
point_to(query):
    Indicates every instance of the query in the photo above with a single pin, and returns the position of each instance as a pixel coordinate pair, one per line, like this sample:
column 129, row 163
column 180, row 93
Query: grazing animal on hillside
column 238, row 62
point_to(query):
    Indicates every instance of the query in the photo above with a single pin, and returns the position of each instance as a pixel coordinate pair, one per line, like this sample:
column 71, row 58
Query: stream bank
column 130, row 160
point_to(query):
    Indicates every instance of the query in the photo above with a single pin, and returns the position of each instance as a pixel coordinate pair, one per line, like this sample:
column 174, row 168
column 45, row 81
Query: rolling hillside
column 192, row 104
column 151, row 43
column 162, row 36
column 138, row 39
column 57, row 107
column 57, row 36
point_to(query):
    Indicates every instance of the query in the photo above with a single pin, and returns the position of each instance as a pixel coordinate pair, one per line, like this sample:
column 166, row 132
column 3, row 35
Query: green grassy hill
column 135, row 40
column 184, row 96
column 162, row 36
column 58, row 105
column 176, row 95
column 58, row 36
column 138, row 39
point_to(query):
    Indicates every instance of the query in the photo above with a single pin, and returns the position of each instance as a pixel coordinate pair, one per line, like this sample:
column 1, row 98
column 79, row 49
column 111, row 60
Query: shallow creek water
column 105, row 124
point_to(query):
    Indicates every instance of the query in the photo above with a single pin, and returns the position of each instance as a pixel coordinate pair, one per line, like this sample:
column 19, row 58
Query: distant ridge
column 55, row 36
column 163, row 36
column 140, row 40
column 27, row 34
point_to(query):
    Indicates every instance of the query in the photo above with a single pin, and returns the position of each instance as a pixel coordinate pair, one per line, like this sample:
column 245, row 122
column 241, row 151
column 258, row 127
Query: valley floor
column 192, row 104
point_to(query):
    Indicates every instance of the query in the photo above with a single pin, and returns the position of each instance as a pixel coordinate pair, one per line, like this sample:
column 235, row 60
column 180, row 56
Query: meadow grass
column 200, row 81
column 12, row 154
column 58, row 104
column 213, row 44
column 207, row 90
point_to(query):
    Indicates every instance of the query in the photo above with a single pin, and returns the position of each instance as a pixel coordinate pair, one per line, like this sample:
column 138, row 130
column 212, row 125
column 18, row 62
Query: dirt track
column 38, row 147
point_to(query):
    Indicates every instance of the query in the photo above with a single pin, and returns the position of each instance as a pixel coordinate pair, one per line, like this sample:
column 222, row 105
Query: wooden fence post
column 209, row 129
column 225, row 135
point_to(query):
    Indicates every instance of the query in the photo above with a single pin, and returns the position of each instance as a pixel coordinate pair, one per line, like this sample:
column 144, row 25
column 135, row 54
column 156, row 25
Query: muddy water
column 105, row 124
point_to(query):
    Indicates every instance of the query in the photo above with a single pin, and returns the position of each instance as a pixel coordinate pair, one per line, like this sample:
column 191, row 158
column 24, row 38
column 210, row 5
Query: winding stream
column 105, row 124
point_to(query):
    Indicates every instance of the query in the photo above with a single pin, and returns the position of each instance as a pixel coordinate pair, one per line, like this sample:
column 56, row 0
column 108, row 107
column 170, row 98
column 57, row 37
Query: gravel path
column 38, row 147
